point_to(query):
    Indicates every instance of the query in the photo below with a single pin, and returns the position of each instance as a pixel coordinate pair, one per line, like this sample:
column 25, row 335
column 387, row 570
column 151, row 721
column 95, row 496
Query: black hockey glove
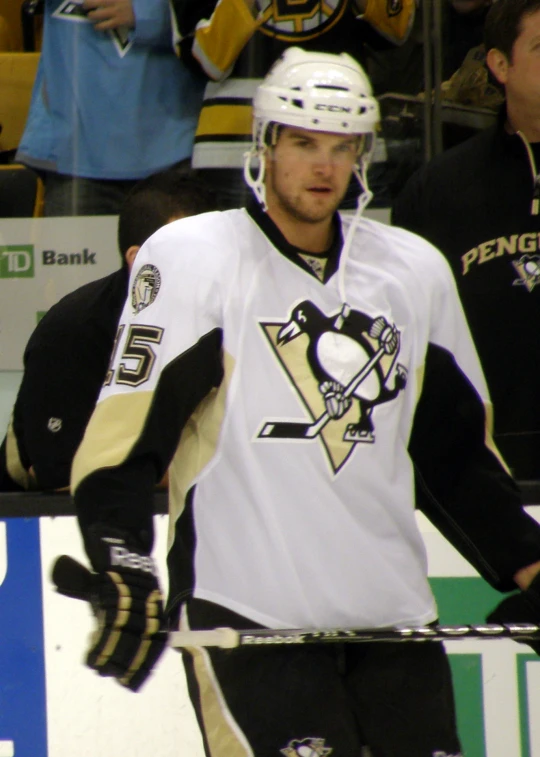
column 127, row 603
column 520, row 607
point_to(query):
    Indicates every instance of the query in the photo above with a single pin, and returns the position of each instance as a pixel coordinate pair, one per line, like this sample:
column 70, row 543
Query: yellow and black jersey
column 235, row 42
column 304, row 417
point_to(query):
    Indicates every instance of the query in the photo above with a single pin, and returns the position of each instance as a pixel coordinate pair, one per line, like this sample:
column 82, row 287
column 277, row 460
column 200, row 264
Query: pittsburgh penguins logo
column 145, row 287
column 528, row 268
column 299, row 20
column 306, row 748
column 341, row 367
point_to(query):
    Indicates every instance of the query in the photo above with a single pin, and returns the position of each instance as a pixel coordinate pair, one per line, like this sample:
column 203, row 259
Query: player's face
column 308, row 172
column 521, row 74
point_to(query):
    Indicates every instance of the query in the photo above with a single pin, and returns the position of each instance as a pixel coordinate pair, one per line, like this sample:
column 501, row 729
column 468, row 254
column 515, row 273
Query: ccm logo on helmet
column 332, row 108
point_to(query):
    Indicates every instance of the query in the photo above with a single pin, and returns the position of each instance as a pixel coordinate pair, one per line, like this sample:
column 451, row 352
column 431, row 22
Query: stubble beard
column 302, row 211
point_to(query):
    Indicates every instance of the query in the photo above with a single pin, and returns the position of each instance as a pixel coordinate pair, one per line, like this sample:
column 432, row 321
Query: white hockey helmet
column 315, row 91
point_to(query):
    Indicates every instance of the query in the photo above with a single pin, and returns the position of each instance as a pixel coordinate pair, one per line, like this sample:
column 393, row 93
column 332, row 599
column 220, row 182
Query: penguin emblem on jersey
column 299, row 20
column 306, row 748
column 528, row 268
column 343, row 366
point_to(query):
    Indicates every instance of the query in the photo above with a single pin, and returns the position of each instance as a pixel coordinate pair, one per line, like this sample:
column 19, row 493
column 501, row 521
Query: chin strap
column 255, row 182
column 364, row 198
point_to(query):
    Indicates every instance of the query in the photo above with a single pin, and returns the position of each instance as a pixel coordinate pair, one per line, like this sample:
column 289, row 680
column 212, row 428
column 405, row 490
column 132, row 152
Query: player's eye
column 344, row 150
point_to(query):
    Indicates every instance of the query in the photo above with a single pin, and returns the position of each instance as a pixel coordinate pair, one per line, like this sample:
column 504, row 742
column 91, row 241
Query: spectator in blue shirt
column 112, row 103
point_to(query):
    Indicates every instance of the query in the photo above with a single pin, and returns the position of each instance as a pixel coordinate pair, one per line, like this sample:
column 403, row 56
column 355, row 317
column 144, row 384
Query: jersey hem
column 266, row 620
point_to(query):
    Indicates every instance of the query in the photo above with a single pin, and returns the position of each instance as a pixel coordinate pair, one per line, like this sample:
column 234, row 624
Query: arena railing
column 53, row 504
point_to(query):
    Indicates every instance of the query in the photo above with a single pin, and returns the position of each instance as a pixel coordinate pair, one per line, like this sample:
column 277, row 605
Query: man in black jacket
column 479, row 203
column 66, row 358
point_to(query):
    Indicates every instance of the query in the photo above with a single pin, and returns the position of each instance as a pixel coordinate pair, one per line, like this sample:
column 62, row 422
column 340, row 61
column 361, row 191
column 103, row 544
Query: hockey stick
column 228, row 638
column 307, row 430
column 75, row 580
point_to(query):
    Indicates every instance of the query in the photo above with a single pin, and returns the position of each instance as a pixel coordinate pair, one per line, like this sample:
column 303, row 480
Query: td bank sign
column 16, row 261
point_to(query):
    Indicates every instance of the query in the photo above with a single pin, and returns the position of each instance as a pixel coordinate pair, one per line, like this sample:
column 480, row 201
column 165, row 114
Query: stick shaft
column 307, row 429
column 228, row 638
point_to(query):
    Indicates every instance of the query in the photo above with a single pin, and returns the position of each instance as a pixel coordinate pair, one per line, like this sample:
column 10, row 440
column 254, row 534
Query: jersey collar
column 269, row 229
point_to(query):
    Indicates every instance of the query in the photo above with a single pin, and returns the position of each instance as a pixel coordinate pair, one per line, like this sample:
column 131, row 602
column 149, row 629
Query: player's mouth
column 320, row 190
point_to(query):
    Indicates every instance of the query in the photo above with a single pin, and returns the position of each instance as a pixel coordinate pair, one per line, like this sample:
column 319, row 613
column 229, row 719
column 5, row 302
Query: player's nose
column 324, row 165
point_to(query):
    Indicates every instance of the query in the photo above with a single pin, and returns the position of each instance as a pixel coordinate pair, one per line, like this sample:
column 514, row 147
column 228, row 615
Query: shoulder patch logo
column 145, row 287
column 342, row 366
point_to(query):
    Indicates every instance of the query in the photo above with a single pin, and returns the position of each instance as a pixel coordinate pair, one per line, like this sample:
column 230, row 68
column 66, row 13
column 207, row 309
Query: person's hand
column 110, row 14
column 520, row 607
column 127, row 602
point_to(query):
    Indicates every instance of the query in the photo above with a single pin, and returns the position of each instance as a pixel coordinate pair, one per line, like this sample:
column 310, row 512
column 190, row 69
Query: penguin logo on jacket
column 343, row 366
column 528, row 268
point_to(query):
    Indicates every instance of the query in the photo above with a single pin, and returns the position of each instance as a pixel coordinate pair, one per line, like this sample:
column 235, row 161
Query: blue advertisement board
column 23, row 719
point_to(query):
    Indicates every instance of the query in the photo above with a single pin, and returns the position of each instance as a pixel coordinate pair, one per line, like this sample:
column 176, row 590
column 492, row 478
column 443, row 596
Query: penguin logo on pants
column 341, row 367
column 307, row 748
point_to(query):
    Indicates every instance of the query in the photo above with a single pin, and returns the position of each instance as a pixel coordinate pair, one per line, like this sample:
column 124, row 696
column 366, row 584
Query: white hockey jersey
column 294, row 411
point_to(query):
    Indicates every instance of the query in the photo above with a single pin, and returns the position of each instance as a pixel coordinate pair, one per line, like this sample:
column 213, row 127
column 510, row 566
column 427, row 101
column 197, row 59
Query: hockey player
column 246, row 366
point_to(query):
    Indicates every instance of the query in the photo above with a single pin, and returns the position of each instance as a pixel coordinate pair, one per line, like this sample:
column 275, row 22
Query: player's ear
column 131, row 254
column 498, row 64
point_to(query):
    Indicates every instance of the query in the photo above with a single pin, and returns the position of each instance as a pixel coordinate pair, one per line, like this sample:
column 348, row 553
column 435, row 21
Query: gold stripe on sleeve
column 197, row 447
column 113, row 430
column 489, row 441
column 14, row 465
column 219, row 41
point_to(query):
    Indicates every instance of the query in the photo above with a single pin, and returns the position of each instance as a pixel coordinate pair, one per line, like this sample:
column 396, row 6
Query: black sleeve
column 407, row 211
column 121, row 495
column 187, row 14
column 63, row 375
column 462, row 485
